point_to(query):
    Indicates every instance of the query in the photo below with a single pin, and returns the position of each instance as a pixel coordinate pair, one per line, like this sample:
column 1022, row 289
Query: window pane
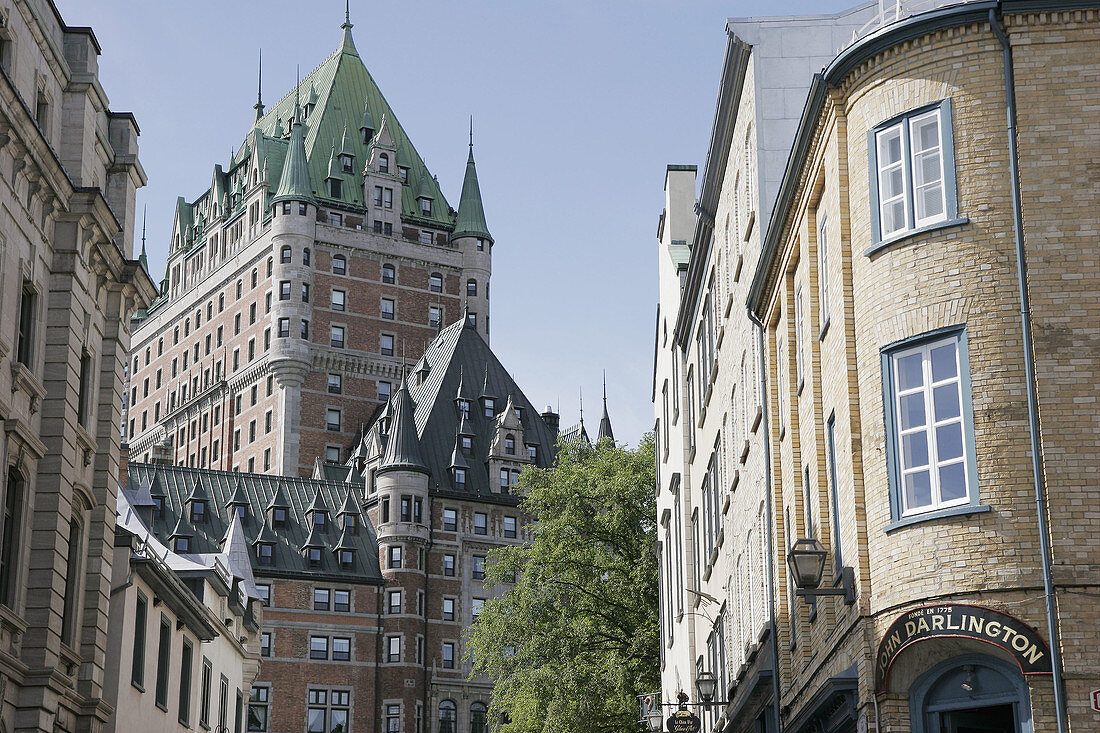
column 315, row 721
column 945, row 399
column 889, row 147
column 339, row 721
column 910, row 373
column 944, row 363
column 949, row 442
column 953, row 482
column 915, row 450
column 912, row 411
column 918, row 490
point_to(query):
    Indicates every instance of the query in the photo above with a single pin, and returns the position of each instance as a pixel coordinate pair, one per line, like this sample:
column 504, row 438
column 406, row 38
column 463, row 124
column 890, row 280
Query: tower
column 472, row 237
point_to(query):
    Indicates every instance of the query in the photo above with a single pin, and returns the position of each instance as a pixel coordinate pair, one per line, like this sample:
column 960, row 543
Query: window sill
column 824, row 330
column 748, row 226
column 901, row 236
column 140, row 688
column 954, row 511
column 163, row 708
column 745, row 451
column 757, row 417
column 736, row 274
column 735, row 480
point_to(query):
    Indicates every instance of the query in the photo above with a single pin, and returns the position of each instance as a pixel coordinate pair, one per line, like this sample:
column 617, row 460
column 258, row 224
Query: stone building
column 711, row 440
column 68, row 173
column 373, row 568
column 928, row 288
column 321, row 255
column 184, row 631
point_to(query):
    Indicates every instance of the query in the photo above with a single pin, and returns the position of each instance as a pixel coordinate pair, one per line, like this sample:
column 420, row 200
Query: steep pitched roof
column 470, row 221
column 261, row 491
column 403, row 445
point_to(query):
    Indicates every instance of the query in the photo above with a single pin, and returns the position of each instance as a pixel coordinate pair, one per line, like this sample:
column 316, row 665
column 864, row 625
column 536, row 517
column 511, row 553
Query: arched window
column 305, row 256
column 285, row 254
column 389, row 274
column 478, row 718
column 383, row 163
column 510, row 444
column 448, row 717
column 255, row 275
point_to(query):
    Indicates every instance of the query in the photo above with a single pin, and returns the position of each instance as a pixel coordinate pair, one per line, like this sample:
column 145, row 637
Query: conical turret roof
column 403, row 445
column 470, row 221
column 294, row 184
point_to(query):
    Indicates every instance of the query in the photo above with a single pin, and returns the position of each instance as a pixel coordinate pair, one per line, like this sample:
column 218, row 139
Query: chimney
column 552, row 420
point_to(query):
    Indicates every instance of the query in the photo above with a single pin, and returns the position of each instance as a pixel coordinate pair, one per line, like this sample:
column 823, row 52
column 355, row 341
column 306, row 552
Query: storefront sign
column 961, row 620
column 1095, row 700
column 682, row 721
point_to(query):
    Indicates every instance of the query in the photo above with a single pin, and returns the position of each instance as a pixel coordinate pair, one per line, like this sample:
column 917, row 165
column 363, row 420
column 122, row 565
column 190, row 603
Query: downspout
column 1029, row 375
column 776, row 703
column 427, row 586
column 379, row 648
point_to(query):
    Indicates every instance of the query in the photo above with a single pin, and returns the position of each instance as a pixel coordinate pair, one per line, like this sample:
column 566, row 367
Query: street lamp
column 706, row 683
column 655, row 719
column 807, row 563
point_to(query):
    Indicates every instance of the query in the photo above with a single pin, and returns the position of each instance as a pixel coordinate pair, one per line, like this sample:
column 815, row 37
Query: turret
column 605, row 422
column 293, row 230
column 472, row 237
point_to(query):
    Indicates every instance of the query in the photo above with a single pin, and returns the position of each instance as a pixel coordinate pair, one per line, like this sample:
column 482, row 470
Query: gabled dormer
column 425, row 196
column 350, row 515
column 313, row 548
column 346, row 154
column 197, row 503
column 264, row 545
column 422, row 371
column 382, row 156
column 345, row 551
column 238, row 503
column 463, row 400
column 277, row 509
column 317, row 513
column 488, row 399
column 508, row 435
column 334, row 181
column 366, row 127
column 181, row 537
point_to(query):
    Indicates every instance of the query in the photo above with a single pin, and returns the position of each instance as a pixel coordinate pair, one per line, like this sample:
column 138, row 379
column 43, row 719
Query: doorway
column 993, row 719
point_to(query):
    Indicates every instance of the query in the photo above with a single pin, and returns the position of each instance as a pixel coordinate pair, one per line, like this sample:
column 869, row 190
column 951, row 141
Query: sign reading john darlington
column 961, row 620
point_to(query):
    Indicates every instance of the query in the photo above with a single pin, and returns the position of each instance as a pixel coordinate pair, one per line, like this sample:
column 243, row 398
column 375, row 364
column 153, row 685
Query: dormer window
column 198, row 511
column 347, row 558
column 367, row 134
column 241, row 511
column 278, row 516
column 533, row 452
column 335, row 187
column 460, row 478
column 467, row 445
column 265, row 553
column 158, row 507
column 510, row 444
column 313, row 555
column 347, row 162
column 490, row 406
column 320, row 521
column 404, row 173
column 425, row 206
column 464, row 409
column 181, row 544
column 351, row 523
column 383, row 163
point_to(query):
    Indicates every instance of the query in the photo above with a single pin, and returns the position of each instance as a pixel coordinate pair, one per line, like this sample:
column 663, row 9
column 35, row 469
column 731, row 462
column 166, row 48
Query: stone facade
column 272, row 319
column 896, row 410
column 68, row 173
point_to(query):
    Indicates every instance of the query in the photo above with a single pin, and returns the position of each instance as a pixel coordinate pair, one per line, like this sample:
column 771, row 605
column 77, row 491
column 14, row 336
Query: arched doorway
column 973, row 693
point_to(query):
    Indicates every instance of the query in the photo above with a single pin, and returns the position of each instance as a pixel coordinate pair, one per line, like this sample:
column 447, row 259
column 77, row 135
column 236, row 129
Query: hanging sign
column 682, row 721
column 962, row 620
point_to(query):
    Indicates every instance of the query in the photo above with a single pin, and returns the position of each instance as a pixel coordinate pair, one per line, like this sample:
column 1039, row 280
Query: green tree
column 576, row 638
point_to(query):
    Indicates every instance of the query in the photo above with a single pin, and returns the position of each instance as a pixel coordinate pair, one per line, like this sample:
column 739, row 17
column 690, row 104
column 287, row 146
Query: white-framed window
column 450, row 520
column 448, row 609
column 823, row 272
column 386, row 344
column 339, row 265
column 781, row 385
column 435, row 283
column 339, row 300
column 336, row 337
column 393, row 648
column 393, row 718
column 335, row 383
column 930, row 434
column 912, row 172
column 799, row 339
column 327, row 710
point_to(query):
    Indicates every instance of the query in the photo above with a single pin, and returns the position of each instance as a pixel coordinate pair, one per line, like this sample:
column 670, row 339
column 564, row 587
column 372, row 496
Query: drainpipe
column 776, row 704
column 1029, row 374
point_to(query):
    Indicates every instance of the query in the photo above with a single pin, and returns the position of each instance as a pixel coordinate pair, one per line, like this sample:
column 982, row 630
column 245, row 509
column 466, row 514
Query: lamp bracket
column 847, row 588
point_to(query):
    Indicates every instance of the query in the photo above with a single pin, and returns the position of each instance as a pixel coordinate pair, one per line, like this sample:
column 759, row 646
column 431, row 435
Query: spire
column 403, row 445
column 605, row 421
column 348, row 45
column 144, row 258
column 470, row 221
column 259, row 106
column 294, row 184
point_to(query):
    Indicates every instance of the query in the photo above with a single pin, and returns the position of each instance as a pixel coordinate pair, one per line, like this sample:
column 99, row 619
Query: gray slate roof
column 176, row 483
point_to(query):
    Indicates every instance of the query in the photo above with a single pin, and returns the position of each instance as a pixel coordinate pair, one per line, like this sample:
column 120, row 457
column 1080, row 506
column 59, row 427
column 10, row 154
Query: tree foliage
column 576, row 638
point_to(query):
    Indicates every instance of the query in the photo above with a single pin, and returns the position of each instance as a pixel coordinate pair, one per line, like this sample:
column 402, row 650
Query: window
column 137, row 665
column 385, row 389
column 481, row 523
column 533, row 452
column 27, row 308
column 395, row 556
column 284, row 290
column 305, row 256
column 471, row 288
column 383, row 163
column 318, row 647
column 258, row 708
column 328, row 711
column 489, row 406
column 394, row 601
column 335, row 383
column 510, row 527
column 341, row 649
column 510, row 444
column 389, row 274
column 339, row 265
column 393, row 648
column 912, row 160
column 460, row 478
column 265, row 552
column 504, row 478
column 283, row 332
column 478, row 569
column 927, row 396
column 332, row 421
column 341, row 600
column 386, row 344
column 285, row 254
column 449, row 565
column 435, row 316
column 321, row 599
column 387, row 308
column 435, row 283
column 425, row 207
column 466, row 444
column 336, row 336
column 448, row 655
column 450, row 520
column 305, row 293
column 799, row 313
column 265, row 593
column 448, row 714
column 185, row 682
column 823, row 272
column 448, row 609
column 339, row 300
column 164, row 652
column 477, row 605
column 393, row 718
column 204, row 693
column 387, row 198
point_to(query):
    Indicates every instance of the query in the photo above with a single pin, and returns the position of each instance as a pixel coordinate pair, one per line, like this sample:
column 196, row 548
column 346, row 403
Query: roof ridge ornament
column 259, row 106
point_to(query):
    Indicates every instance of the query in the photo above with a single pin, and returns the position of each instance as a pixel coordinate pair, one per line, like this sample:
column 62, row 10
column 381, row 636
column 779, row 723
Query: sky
column 578, row 106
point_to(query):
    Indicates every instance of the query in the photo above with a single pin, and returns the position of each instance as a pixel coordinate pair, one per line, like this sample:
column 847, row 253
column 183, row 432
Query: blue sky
column 578, row 106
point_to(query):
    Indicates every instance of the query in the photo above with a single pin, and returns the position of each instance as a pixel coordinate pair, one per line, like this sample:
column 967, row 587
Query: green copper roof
column 294, row 182
column 346, row 95
column 470, row 221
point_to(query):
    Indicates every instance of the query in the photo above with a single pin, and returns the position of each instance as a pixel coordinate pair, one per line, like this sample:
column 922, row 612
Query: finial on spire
column 297, row 84
column 471, row 132
column 605, row 388
column 580, row 392
column 259, row 106
column 144, row 215
column 347, row 14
